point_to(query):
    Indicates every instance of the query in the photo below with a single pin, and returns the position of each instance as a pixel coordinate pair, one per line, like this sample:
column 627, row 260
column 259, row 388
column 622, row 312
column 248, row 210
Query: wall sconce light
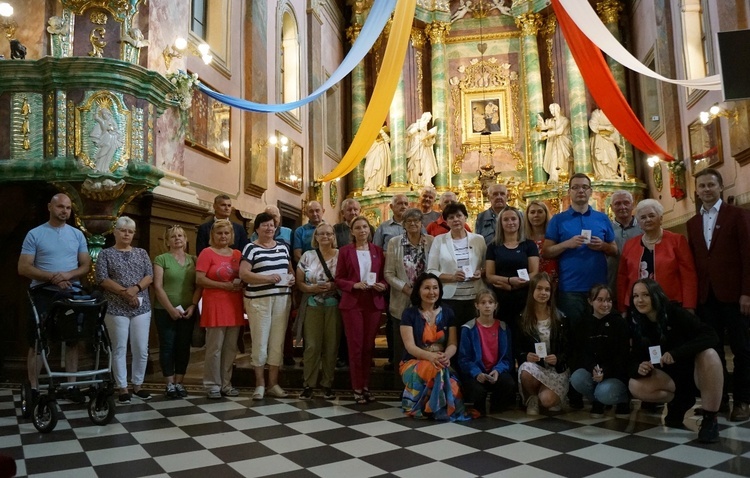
column 718, row 111
column 180, row 46
column 280, row 142
column 7, row 23
column 653, row 161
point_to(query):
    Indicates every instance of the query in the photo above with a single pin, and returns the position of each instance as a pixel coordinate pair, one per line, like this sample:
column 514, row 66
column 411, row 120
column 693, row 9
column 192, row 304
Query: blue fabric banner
column 376, row 20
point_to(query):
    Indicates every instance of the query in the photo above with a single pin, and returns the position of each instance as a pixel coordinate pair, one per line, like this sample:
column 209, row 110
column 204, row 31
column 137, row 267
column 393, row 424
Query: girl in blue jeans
column 600, row 351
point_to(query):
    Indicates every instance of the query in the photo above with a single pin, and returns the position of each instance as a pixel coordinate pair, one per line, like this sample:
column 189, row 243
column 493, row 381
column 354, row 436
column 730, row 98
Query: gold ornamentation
column 102, row 190
column 486, row 36
column 122, row 10
column 437, row 31
column 372, row 217
column 99, row 18
column 529, row 23
column 353, row 32
column 333, row 193
column 84, row 118
column 549, row 34
column 71, row 122
column 418, row 39
column 97, row 42
column 49, row 118
column 609, row 11
column 25, row 110
column 150, row 135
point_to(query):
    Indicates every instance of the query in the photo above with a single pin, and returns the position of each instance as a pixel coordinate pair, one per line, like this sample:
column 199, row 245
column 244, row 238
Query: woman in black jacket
column 673, row 359
column 543, row 376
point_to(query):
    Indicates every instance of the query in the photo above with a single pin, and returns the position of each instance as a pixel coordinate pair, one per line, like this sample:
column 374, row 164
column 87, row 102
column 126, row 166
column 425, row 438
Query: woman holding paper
column 359, row 277
column 457, row 258
column 267, row 269
column 217, row 272
column 541, row 348
column 672, row 355
column 512, row 260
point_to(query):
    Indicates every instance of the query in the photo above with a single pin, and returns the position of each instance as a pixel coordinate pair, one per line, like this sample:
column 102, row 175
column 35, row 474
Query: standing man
column 487, row 220
column 350, row 209
column 719, row 238
column 55, row 253
column 440, row 226
column 222, row 210
column 625, row 227
column 283, row 234
column 426, row 200
column 302, row 241
column 581, row 239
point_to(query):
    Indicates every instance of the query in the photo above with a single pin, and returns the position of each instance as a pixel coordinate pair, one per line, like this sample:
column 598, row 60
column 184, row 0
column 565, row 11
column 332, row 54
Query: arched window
column 697, row 38
column 290, row 59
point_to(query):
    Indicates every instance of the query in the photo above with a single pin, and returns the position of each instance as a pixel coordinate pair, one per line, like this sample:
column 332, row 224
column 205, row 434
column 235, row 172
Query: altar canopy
column 376, row 20
column 602, row 85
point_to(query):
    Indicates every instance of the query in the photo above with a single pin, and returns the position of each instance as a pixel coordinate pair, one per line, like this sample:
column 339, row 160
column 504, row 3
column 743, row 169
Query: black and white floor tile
column 197, row 437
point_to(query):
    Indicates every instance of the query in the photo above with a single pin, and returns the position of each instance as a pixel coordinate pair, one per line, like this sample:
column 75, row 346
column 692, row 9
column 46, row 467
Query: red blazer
column 347, row 274
column 674, row 269
column 725, row 268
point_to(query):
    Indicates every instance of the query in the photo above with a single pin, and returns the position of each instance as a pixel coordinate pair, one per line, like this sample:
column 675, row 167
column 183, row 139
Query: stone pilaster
column 398, row 136
column 437, row 31
column 579, row 120
column 359, row 105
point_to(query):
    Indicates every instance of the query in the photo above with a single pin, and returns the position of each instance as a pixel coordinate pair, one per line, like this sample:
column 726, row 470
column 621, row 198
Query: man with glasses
column 625, row 227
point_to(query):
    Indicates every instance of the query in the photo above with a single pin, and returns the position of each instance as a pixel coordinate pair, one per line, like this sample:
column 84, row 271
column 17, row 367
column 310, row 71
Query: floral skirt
column 549, row 377
column 431, row 392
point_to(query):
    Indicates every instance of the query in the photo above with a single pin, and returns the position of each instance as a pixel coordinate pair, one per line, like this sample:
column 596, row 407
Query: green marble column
column 579, row 120
column 359, row 105
column 530, row 23
column 398, row 137
column 437, row 31
column 609, row 12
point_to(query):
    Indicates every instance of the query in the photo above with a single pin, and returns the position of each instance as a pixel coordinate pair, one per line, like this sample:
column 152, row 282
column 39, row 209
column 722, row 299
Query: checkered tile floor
column 293, row 438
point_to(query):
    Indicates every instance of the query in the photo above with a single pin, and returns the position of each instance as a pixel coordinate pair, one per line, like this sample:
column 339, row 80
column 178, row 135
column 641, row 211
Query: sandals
column 368, row 396
column 359, row 398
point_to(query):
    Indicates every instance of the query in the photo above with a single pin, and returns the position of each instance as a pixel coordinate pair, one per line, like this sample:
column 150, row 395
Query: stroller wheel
column 102, row 409
column 27, row 400
column 45, row 415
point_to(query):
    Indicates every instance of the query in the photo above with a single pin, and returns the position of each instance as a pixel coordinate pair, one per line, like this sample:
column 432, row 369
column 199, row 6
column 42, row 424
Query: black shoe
column 142, row 394
column 328, row 393
column 623, row 409
column 342, row 364
column 74, row 395
column 576, row 402
column 307, row 393
column 597, row 410
column 709, row 430
column 124, row 398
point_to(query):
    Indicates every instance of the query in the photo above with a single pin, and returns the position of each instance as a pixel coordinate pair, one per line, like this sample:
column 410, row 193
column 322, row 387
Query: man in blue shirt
column 581, row 239
column 283, row 234
column 53, row 253
column 302, row 241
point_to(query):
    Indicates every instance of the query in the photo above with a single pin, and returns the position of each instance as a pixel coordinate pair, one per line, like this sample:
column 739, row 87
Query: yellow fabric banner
column 382, row 94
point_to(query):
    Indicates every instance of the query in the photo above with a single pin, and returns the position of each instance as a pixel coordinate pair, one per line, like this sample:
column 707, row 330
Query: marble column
column 530, row 23
column 359, row 105
column 397, row 123
column 579, row 120
column 609, row 12
column 437, row 31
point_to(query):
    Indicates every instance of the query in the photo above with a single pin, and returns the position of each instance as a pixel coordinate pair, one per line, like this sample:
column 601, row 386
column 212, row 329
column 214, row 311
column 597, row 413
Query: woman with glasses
column 405, row 260
column 660, row 255
column 175, row 309
column 125, row 272
column 322, row 326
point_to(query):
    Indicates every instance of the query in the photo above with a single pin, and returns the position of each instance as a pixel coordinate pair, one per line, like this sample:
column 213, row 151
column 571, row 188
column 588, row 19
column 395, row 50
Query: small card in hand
column 541, row 349
column 654, row 354
column 371, row 278
column 586, row 233
column 523, row 274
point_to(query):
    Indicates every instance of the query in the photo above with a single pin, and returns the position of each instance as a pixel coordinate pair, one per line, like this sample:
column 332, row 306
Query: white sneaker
column 259, row 393
column 532, row 405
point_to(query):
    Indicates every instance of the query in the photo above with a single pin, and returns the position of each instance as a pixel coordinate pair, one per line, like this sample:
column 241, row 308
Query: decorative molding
column 529, row 23
column 487, row 36
column 418, row 41
column 548, row 30
column 437, row 32
column 609, row 11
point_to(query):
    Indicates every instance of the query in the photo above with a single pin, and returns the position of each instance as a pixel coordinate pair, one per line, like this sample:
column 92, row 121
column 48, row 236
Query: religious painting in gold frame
column 486, row 111
column 289, row 167
column 705, row 145
column 209, row 128
column 739, row 132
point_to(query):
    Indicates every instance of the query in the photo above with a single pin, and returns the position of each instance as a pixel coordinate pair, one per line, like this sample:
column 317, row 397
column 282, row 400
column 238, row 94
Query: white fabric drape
column 591, row 25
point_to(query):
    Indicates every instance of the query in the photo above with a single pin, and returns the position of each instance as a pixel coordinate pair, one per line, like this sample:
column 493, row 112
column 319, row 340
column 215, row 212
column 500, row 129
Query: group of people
column 560, row 307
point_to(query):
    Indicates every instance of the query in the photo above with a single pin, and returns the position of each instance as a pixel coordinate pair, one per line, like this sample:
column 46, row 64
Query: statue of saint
column 105, row 136
column 421, row 164
column 559, row 149
column 378, row 162
column 605, row 142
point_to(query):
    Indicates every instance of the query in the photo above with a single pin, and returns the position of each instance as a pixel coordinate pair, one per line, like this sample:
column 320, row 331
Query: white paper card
column 140, row 301
column 180, row 309
column 523, row 274
column 586, row 233
column 284, row 279
column 371, row 278
column 541, row 349
column 655, row 354
column 468, row 272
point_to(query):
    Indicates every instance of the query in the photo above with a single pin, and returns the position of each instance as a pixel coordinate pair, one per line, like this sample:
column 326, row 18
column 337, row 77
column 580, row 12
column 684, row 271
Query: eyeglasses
column 580, row 187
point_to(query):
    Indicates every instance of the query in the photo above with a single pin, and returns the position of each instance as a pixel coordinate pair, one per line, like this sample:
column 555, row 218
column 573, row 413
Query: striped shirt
column 267, row 261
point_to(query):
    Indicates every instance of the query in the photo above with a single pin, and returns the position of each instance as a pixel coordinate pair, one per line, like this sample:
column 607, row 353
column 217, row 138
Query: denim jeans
column 609, row 391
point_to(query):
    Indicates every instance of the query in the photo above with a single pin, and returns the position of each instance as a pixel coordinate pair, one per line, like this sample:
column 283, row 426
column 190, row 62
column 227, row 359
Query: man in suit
column 222, row 210
column 719, row 236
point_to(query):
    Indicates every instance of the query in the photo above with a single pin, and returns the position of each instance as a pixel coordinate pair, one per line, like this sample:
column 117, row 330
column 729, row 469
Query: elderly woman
column 125, row 272
column 267, row 270
column 405, row 260
column 430, row 338
column 673, row 358
column 322, row 325
column 217, row 272
column 359, row 276
column 457, row 259
column 660, row 255
column 175, row 309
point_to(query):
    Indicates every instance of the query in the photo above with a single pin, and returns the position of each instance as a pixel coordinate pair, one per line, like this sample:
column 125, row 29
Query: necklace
column 647, row 240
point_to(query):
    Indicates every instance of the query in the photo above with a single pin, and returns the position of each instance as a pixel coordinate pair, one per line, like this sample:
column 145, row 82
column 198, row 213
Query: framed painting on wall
column 486, row 112
column 209, row 127
column 705, row 145
column 289, row 167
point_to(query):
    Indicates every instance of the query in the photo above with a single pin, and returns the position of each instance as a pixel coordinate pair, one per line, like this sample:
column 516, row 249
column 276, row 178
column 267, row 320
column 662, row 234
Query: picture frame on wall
column 705, row 145
column 486, row 112
column 739, row 132
column 210, row 126
column 289, row 167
